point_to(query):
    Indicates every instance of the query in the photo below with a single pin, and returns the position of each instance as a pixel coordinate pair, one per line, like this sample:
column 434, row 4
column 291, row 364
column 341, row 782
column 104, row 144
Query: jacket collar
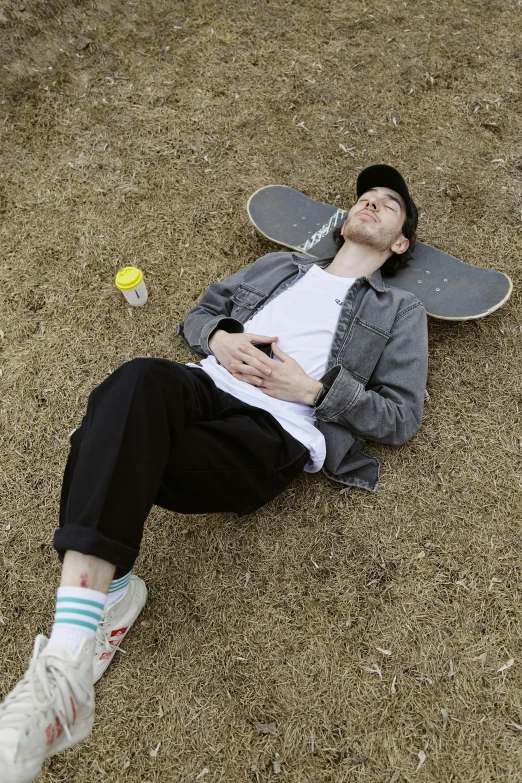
column 375, row 279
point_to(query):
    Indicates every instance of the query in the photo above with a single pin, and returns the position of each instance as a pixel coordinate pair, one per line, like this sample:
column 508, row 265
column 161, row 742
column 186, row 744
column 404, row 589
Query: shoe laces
column 44, row 687
column 103, row 636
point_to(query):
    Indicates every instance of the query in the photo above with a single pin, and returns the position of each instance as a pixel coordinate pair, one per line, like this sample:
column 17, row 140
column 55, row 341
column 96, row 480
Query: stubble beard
column 373, row 236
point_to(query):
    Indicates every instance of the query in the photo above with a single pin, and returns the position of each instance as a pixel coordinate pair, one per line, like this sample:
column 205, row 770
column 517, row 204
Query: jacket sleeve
column 212, row 310
column 389, row 409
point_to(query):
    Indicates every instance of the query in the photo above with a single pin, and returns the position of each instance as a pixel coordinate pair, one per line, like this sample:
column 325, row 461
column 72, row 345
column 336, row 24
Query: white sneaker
column 51, row 709
column 115, row 622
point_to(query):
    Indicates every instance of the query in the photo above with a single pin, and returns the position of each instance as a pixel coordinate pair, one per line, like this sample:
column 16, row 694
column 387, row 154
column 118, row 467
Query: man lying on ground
column 349, row 363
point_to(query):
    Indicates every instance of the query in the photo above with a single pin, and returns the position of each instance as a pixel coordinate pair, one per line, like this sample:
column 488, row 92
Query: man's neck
column 356, row 261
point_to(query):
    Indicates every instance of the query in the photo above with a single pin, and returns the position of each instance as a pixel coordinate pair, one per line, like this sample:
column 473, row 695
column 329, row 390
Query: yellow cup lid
column 128, row 278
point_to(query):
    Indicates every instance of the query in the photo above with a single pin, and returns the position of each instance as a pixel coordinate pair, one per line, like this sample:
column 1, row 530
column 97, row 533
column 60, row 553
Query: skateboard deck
column 448, row 288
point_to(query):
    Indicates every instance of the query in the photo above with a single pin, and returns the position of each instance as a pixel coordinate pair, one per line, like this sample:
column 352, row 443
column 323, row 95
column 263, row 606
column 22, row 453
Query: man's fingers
column 279, row 353
column 251, row 379
column 245, row 369
column 260, row 338
column 255, row 358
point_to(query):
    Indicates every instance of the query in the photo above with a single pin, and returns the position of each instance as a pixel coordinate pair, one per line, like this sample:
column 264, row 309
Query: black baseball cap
column 383, row 176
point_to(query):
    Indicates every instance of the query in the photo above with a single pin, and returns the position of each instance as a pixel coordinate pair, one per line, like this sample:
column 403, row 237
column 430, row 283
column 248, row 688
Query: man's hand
column 226, row 349
column 284, row 379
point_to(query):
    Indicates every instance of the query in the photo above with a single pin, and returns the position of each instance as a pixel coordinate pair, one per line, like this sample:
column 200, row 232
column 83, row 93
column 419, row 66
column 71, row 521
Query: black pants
column 159, row 432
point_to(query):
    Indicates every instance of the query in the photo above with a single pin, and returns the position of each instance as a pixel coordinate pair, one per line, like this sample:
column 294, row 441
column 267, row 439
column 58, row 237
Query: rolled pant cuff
column 89, row 541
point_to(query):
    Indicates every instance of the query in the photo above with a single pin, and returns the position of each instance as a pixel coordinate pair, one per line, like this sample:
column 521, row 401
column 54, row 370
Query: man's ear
column 400, row 245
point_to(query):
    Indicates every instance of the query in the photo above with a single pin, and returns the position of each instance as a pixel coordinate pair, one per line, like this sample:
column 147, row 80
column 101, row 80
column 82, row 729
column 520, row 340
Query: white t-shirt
column 304, row 318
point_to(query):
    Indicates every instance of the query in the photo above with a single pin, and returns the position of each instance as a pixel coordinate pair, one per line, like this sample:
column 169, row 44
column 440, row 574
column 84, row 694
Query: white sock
column 117, row 589
column 77, row 616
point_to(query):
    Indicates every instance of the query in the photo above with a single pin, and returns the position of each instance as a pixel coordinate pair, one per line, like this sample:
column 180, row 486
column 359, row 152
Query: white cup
column 132, row 285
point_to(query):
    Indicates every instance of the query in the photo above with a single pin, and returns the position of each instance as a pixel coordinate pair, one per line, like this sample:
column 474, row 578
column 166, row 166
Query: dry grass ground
column 134, row 133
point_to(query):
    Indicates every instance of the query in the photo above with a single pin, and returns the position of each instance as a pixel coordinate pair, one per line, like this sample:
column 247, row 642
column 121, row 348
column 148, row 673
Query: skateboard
column 449, row 289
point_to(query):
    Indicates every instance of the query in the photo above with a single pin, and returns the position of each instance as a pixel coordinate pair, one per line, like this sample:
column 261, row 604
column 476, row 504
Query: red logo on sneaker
column 73, row 705
column 59, row 728
column 104, row 656
column 50, row 733
column 117, row 635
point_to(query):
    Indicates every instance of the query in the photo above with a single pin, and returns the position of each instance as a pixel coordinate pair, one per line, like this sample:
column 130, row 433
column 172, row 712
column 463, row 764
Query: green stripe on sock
column 119, row 584
column 121, row 579
column 81, row 601
column 77, row 622
column 83, row 612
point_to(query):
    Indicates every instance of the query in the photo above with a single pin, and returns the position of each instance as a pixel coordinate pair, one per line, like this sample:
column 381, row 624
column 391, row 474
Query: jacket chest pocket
column 246, row 299
column 363, row 348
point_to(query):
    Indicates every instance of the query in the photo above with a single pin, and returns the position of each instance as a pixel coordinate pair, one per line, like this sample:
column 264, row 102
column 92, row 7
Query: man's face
column 376, row 220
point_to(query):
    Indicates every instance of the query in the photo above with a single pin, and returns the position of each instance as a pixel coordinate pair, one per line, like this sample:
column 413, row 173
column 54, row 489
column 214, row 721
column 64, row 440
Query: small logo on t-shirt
column 339, row 302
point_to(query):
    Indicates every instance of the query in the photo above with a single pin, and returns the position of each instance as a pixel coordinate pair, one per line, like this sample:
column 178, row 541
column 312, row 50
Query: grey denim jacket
column 376, row 370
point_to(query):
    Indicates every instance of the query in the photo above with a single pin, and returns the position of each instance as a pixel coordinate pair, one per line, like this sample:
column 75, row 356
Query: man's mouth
column 367, row 214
